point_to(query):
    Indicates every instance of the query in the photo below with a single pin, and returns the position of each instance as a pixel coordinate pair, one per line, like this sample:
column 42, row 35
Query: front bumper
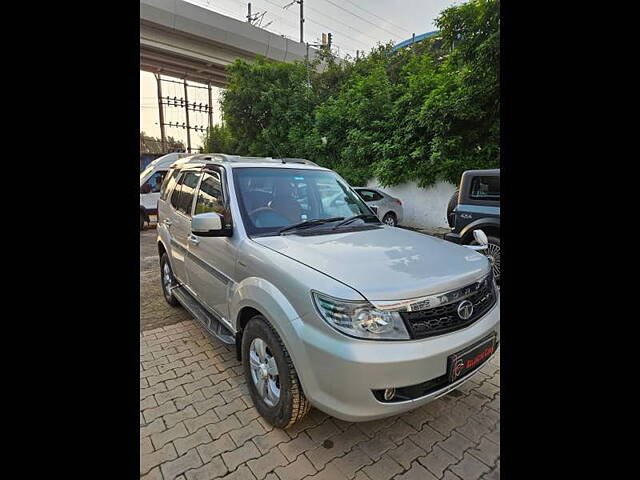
column 338, row 373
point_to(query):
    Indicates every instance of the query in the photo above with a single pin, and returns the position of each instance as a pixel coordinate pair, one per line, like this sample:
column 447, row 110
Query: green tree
column 426, row 113
column 219, row 139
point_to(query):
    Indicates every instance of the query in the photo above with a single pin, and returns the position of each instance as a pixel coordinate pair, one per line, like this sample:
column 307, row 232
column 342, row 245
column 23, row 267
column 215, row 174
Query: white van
column 150, row 182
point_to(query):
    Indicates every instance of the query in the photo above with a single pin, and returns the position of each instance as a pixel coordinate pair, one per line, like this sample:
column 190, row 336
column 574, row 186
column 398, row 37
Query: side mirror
column 146, row 188
column 209, row 225
column 480, row 237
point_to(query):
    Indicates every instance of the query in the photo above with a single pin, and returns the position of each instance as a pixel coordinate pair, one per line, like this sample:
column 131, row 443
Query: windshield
column 271, row 199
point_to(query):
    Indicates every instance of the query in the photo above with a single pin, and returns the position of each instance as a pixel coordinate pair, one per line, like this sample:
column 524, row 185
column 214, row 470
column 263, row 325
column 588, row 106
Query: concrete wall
column 423, row 207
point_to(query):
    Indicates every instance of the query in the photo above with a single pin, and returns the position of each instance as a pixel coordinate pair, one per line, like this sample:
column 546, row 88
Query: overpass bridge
column 186, row 41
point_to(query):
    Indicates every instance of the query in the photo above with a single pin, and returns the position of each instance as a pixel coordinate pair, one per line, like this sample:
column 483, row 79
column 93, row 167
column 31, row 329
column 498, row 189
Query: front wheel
column 272, row 379
column 141, row 221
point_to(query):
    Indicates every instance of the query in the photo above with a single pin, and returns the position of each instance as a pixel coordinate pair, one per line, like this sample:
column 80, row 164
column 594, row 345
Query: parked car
column 325, row 304
column 476, row 205
column 388, row 208
column 150, row 182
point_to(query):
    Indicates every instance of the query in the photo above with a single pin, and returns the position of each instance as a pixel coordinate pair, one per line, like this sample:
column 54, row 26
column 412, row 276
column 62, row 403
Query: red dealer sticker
column 462, row 363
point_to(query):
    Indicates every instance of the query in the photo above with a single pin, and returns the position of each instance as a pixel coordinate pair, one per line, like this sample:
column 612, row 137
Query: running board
column 210, row 322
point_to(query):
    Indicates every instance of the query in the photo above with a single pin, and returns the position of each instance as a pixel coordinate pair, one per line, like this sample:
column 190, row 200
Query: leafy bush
column 426, row 113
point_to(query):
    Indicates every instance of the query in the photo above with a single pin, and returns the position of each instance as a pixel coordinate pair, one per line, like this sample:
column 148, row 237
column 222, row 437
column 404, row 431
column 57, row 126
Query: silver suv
column 326, row 305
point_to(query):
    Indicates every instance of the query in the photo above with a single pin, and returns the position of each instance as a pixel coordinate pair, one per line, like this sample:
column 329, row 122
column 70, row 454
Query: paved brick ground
column 154, row 311
column 197, row 420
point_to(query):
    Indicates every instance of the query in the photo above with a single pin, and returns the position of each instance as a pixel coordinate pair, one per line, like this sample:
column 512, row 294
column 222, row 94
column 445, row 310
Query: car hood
column 385, row 263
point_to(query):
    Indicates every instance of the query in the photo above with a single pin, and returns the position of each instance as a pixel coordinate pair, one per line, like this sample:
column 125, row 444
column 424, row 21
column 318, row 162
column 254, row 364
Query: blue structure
column 412, row 40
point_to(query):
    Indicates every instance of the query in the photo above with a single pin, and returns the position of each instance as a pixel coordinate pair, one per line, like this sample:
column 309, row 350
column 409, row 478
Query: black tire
column 292, row 404
column 390, row 219
column 141, row 221
column 493, row 250
column 453, row 202
column 168, row 296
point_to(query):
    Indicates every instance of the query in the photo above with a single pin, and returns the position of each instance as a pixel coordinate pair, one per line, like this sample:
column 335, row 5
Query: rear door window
column 182, row 196
column 485, row 188
column 369, row 195
column 169, row 183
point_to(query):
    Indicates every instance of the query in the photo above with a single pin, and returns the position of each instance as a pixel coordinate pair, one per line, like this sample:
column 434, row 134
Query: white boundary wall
column 423, row 207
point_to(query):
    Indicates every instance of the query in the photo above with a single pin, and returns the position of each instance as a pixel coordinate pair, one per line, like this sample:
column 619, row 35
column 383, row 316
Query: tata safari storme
column 326, row 305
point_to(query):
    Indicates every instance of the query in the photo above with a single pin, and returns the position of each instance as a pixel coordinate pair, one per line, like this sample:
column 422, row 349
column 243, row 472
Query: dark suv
column 476, row 205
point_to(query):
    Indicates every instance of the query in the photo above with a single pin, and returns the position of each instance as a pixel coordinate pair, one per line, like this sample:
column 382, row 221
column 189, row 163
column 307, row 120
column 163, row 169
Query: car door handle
column 193, row 239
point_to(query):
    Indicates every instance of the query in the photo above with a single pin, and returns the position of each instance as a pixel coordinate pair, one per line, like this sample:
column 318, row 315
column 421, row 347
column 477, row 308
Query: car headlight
column 360, row 318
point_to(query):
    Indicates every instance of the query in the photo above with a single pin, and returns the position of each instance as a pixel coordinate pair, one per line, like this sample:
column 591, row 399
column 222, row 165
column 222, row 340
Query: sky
column 355, row 25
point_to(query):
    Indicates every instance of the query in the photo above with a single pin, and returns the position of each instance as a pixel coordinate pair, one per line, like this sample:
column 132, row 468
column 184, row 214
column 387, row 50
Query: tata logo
column 458, row 368
column 465, row 310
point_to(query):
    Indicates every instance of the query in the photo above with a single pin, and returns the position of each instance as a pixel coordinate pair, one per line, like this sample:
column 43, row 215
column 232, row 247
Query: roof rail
column 223, row 157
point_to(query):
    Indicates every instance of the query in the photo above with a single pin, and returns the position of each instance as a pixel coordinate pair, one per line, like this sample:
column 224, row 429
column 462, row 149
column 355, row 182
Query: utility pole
column 161, row 112
column 211, row 105
column 249, row 13
column 186, row 113
column 301, row 3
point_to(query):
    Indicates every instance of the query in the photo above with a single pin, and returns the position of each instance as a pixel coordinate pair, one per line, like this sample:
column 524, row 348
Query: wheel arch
column 490, row 226
column 256, row 296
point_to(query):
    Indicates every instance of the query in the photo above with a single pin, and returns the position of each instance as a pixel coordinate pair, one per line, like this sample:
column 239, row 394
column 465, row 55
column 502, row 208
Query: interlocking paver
column 218, row 429
column 267, row 463
column 242, row 473
column 151, row 414
column 487, row 451
column 173, row 468
column 217, row 447
column 351, row 462
column 269, row 440
column 296, row 470
column 406, row 453
column 241, row 435
column 377, row 446
column 240, row 455
column 194, row 424
column 470, row 468
column 416, row 472
column 150, row 460
column 213, row 469
column 186, row 443
column 456, row 444
column 437, row 461
column 384, row 469
column 197, row 420
column 173, row 418
column 161, row 439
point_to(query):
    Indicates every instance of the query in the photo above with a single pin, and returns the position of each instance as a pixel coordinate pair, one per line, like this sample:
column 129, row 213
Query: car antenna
column 272, row 144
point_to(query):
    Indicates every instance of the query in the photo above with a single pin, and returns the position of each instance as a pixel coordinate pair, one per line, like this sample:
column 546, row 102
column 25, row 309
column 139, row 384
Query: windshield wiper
column 309, row 223
column 355, row 217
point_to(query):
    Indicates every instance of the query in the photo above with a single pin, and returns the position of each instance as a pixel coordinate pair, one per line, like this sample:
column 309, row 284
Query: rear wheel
column 453, row 202
column 390, row 219
column 272, row 379
column 168, row 280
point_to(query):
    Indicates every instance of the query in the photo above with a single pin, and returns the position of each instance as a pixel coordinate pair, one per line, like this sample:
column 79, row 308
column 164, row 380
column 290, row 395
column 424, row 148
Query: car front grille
column 445, row 318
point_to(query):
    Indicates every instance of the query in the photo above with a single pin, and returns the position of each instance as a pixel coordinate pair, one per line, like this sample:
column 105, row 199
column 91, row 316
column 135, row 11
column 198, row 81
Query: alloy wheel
column 264, row 372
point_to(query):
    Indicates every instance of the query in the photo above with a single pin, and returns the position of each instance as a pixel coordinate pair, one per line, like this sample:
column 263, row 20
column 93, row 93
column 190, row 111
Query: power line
column 363, row 19
column 379, row 18
column 342, row 23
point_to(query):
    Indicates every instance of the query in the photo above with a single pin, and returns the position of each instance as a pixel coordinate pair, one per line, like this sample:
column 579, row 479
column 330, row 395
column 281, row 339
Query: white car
column 150, row 182
column 388, row 208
